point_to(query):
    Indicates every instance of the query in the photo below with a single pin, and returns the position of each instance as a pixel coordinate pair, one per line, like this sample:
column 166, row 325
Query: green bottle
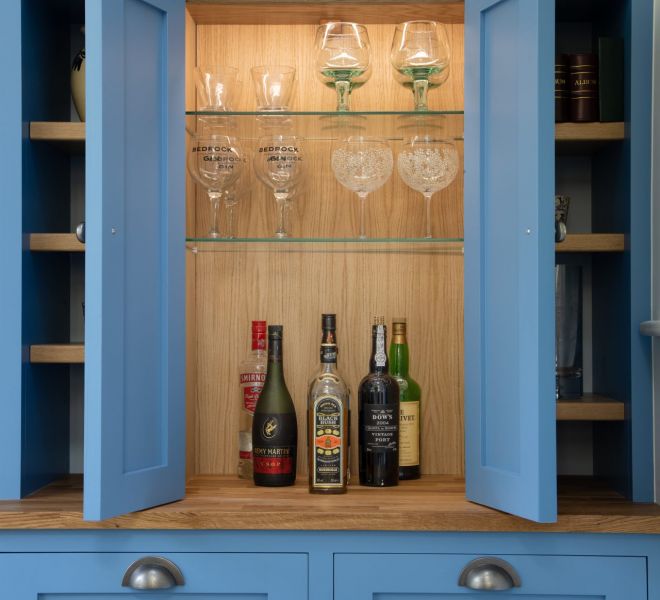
column 274, row 429
column 410, row 395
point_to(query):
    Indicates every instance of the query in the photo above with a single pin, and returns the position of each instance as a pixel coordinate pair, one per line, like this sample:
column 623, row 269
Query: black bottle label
column 274, row 446
column 381, row 427
column 328, row 419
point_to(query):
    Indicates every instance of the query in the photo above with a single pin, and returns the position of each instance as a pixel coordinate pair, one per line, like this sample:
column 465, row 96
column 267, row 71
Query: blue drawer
column 436, row 577
column 206, row 576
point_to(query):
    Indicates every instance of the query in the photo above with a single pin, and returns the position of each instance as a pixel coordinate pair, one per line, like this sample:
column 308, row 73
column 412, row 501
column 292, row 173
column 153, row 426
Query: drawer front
column 206, row 576
column 436, row 577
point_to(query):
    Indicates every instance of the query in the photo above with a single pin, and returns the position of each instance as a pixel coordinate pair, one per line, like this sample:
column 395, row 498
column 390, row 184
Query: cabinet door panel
column 135, row 326
column 435, row 577
column 509, row 256
column 207, row 576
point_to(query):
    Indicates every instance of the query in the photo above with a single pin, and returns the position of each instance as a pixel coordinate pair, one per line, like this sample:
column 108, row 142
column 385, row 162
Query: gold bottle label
column 328, row 454
column 409, row 434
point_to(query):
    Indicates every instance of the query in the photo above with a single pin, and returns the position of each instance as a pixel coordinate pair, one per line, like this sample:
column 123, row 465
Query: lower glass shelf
column 342, row 245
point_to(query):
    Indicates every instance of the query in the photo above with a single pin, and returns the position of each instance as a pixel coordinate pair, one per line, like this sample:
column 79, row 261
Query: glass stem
column 214, row 197
column 363, row 197
column 280, row 198
column 230, row 223
column 427, row 202
column 420, row 90
column 343, row 95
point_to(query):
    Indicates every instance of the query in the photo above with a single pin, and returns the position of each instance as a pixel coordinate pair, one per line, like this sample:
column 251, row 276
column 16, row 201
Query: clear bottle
column 252, row 375
column 327, row 419
column 378, row 417
column 274, row 429
column 410, row 395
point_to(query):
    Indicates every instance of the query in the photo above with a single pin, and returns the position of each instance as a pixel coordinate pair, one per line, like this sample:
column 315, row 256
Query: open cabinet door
column 509, row 256
column 135, row 273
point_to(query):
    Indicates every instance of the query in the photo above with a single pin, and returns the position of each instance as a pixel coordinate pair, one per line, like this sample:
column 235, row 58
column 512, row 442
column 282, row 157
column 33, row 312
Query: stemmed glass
column 343, row 58
column 215, row 162
column 279, row 164
column 362, row 164
column 421, row 55
column 428, row 165
column 231, row 197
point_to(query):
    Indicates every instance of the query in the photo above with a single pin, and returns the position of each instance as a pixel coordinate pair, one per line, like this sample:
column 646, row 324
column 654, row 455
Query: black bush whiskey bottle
column 378, row 424
column 274, row 429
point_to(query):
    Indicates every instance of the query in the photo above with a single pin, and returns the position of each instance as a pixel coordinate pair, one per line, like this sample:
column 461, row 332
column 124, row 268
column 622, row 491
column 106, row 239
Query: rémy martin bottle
column 252, row 374
column 410, row 395
column 378, row 408
column 328, row 419
column 274, row 429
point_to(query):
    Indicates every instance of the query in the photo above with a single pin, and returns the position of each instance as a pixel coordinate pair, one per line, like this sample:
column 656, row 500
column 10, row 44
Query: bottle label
column 381, row 429
column 329, row 353
column 409, row 434
column 329, row 457
column 274, row 443
column 245, row 455
column 380, row 357
column 251, row 384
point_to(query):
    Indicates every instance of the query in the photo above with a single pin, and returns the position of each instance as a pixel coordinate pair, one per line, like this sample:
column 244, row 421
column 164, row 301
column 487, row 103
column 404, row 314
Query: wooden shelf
column 590, row 407
column 68, row 135
column 55, row 242
column 433, row 503
column 592, row 242
column 57, row 353
column 589, row 132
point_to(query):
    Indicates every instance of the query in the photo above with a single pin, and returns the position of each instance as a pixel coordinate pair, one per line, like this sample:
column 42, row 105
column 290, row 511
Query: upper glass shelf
column 328, row 126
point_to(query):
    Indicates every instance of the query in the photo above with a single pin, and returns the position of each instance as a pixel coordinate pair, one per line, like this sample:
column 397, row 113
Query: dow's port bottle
column 410, row 395
column 274, row 429
column 327, row 419
column 252, row 374
column 378, row 422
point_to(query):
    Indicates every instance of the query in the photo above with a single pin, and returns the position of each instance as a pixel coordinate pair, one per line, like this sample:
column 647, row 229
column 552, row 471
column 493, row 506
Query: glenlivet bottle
column 274, row 429
column 378, row 399
column 410, row 395
column 327, row 420
column 252, row 374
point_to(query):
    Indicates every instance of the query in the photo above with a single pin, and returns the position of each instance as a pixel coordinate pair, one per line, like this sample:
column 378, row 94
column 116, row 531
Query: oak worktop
column 434, row 503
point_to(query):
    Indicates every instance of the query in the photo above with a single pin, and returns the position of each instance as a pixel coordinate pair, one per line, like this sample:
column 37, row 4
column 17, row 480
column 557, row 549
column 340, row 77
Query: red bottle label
column 273, row 465
column 245, row 455
column 251, row 384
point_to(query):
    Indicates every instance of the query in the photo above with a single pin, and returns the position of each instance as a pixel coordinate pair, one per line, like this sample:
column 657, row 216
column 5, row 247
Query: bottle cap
column 258, row 326
column 399, row 326
column 329, row 321
column 275, row 331
column 379, row 320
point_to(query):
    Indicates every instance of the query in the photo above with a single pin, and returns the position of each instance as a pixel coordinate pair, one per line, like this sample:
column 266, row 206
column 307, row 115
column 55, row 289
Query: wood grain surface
column 589, row 132
column 430, row 504
column 592, row 242
column 55, row 242
column 55, row 131
column 57, row 353
column 591, row 407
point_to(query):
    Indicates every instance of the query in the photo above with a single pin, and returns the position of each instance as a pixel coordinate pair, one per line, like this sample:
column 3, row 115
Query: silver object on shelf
column 80, row 232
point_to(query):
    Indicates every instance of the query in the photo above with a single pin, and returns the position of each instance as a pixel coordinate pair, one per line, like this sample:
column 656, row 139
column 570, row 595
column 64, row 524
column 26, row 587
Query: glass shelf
column 329, row 245
column 329, row 126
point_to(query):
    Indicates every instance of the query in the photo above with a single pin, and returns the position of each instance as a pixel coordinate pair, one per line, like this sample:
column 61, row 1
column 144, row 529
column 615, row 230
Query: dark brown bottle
column 378, row 423
column 274, row 429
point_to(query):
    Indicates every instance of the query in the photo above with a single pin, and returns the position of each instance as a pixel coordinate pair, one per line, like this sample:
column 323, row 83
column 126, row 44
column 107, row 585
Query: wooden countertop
column 431, row 504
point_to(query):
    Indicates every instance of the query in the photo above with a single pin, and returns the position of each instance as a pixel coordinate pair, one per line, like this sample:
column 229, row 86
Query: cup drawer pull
column 152, row 573
column 489, row 573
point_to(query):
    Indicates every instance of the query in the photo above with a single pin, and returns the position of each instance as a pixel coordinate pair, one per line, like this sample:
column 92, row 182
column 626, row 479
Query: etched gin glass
column 428, row 165
column 215, row 162
column 343, row 58
column 279, row 164
column 362, row 164
column 421, row 55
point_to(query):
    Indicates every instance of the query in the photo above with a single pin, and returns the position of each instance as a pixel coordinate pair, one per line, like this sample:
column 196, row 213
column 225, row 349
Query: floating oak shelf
column 589, row 132
column 591, row 407
column 57, row 353
column 55, row 242
column 592, row 242
column 71, row 136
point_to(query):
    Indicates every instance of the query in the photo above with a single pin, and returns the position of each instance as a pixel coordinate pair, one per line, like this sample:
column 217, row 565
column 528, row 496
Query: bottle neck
column 328, row 349
column 274, row 368
column 399, row 358
column 378, row 362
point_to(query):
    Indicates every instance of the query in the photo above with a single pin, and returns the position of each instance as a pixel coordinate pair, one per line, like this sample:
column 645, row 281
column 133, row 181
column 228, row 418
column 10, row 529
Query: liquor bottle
column 252, row 374
column 410, row 395
column 274, row 429
column 378, row 422
column 327, row 420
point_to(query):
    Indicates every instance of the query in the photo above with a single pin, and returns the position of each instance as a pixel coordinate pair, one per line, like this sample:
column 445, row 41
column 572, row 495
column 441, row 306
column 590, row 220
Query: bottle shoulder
column 325, row 383
column 378, row 382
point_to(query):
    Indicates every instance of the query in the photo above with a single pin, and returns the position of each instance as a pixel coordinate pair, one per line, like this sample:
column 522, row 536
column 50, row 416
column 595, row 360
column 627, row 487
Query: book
column 610, row 78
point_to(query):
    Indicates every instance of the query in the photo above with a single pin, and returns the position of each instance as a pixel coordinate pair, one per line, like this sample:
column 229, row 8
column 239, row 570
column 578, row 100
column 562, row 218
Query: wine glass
column 216, row 86
column 362, row 164
column 421, row 55
column 428, row 165
column 215, row 162
column 231, row 198
column 343, row 58
column 279, row 164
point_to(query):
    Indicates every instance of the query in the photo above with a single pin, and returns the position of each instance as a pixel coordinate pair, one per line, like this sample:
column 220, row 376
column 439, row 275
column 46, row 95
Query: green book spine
column 610, row 68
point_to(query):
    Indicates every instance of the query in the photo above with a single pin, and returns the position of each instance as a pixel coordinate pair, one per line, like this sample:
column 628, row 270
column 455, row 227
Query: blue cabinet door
column 134, row 286
column 206, row 576
column 509, row 256
column 436, row 577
